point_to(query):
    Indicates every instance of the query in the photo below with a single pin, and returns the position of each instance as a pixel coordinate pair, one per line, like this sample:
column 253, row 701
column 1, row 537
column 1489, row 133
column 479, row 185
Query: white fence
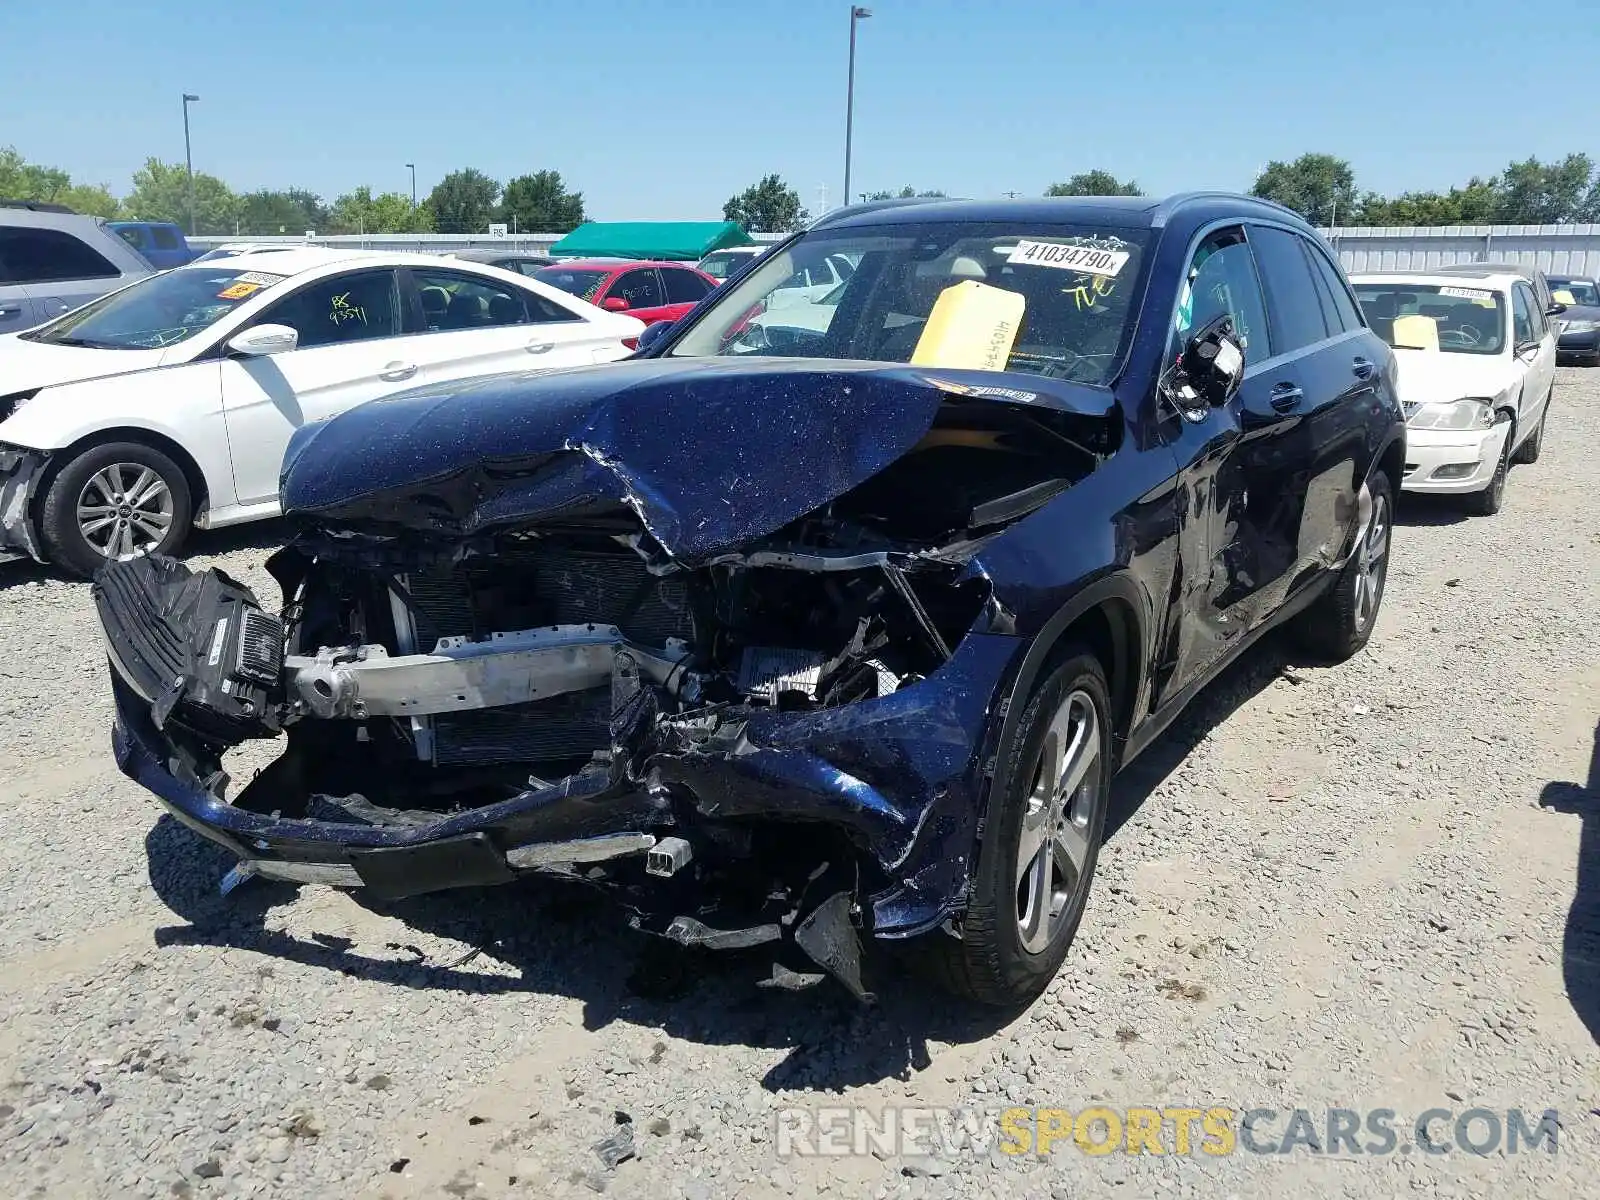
column 1558, row 249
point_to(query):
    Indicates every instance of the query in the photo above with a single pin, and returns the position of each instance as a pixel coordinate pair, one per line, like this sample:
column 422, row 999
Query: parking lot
column 1371, row 886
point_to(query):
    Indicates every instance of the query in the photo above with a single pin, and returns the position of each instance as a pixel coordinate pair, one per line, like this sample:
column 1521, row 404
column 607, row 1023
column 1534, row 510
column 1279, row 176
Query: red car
column 650, row 291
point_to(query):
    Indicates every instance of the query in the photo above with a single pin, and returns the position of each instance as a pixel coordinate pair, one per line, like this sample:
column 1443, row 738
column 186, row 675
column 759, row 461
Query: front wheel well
column 1110, row 632
column 192, row 474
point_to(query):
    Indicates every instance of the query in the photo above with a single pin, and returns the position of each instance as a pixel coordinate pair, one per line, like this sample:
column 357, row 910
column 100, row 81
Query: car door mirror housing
column 1555, row 309
column 614, row 304
column 653, row 334
column 1211, row 367
column 263, row 340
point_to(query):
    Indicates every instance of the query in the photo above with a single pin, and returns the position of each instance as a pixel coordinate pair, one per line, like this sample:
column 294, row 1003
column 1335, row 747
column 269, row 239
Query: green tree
column 22, row 180
column 463, row 201
column 161, row 193
column 906, row 193
column 359, row 211
column 771, row 206
column 1094, row 183
column 293, row 210
column 540, row 203
column 1317, row 186
column 1535, row 193
column 1475, row 204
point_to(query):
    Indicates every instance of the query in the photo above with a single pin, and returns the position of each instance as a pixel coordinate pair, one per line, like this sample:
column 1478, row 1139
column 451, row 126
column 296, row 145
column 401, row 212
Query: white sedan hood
column 1431, row 376
column 25, row 364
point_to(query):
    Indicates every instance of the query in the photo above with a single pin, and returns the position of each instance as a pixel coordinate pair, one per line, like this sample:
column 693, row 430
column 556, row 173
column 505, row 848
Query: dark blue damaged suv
column 824, row 621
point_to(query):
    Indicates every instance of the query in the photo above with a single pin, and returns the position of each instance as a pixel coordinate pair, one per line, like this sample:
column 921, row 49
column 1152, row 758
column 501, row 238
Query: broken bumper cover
column 20, row 472
column 1450, row 461
column 901, row 775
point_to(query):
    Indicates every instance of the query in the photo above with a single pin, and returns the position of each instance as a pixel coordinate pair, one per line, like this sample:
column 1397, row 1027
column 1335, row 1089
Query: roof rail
column 37, row 206
column 1178, row 198
column 850, row 210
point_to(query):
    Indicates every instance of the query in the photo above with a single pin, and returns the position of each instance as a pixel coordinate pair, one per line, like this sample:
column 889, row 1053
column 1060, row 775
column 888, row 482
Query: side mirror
column 1555, row 308
column 1211, row 366
column 261, row 340
column 614, row 304
column 653, row 334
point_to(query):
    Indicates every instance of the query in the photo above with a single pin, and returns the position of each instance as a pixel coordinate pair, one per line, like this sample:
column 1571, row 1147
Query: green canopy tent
column 680, row 240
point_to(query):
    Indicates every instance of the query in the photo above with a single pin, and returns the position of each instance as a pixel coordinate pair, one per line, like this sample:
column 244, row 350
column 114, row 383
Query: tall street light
column 856, row 14
column 413, row 167
column 188, row 158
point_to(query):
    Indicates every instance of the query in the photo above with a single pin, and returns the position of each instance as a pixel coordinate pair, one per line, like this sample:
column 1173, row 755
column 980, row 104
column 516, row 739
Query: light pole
column 413, row 167
column 856, row 14
column 188, row 158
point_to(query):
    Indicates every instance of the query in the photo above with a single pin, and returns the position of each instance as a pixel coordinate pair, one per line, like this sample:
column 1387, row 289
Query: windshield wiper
column 86, row 343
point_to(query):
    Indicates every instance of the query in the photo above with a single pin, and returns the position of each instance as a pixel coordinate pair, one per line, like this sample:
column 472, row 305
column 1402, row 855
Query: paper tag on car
column 259, row 278
column 1088, row 259
column 1461, row 293
column 238, row 291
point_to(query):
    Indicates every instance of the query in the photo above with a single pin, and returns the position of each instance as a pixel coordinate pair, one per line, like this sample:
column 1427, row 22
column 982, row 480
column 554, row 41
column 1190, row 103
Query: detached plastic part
column 667, row 857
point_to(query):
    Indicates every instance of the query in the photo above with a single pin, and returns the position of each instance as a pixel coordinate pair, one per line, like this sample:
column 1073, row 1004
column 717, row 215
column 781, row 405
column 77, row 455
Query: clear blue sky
column 665, row 107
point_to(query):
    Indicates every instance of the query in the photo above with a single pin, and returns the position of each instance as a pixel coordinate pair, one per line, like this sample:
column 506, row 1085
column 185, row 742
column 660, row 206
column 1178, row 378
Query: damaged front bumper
column 21, row 470
column 898, row 777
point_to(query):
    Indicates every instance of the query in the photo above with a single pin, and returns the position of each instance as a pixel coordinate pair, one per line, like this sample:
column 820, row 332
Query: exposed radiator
column 523, row 589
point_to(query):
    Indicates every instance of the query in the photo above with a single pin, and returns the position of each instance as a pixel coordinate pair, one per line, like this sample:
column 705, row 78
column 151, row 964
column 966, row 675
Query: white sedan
column 169, row 403
column 1477, row 361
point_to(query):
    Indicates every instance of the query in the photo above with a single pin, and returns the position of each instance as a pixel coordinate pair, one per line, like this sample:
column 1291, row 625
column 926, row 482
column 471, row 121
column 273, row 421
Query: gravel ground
column 1350, row 887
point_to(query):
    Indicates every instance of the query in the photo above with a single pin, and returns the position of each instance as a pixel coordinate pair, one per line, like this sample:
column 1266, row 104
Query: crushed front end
column 771, row 738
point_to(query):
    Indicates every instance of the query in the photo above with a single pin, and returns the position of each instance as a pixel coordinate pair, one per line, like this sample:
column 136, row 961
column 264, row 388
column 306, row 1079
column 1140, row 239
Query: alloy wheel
column 125, row 508
column 1053, row 846
column 1372, row 559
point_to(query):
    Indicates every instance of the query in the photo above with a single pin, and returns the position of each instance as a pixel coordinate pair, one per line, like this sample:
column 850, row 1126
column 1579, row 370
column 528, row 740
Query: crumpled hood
column 1429, row 377
column 708, row 452
column 25, row 364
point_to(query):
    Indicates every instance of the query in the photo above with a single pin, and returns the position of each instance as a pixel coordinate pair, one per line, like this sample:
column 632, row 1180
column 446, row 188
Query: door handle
column 1286, row 397
column 396, row 371
column 9, row 310
column 540, row 347
column 1363, row 368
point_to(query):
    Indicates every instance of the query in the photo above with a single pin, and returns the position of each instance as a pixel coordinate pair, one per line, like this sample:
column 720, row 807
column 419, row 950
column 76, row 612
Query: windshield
column 1581, row 290
column 159, row 311
column 1041, row 299
column 582, row 284
column 1420, row 316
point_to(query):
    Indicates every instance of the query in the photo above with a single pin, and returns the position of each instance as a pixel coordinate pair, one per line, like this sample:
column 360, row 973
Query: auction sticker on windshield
column 1090, row 260
column 259, row 278
column 1473, row 294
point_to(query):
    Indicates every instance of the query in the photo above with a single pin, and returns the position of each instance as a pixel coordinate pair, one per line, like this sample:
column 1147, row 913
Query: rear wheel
column 1040, row 844
column 1340, row 623
column 114, row 500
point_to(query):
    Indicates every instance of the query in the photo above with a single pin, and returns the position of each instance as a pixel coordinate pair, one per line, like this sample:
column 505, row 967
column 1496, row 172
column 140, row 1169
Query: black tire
column 82, row 483
column 990, row 962
column 1530, row 449
column 1490, row 500
column 1339, row 623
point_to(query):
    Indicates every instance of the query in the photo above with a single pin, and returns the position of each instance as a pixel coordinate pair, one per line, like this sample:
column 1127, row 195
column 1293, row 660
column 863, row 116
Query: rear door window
column 49, row 256
column 1344, row 315
column 683, row 287
column 1293, row 308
